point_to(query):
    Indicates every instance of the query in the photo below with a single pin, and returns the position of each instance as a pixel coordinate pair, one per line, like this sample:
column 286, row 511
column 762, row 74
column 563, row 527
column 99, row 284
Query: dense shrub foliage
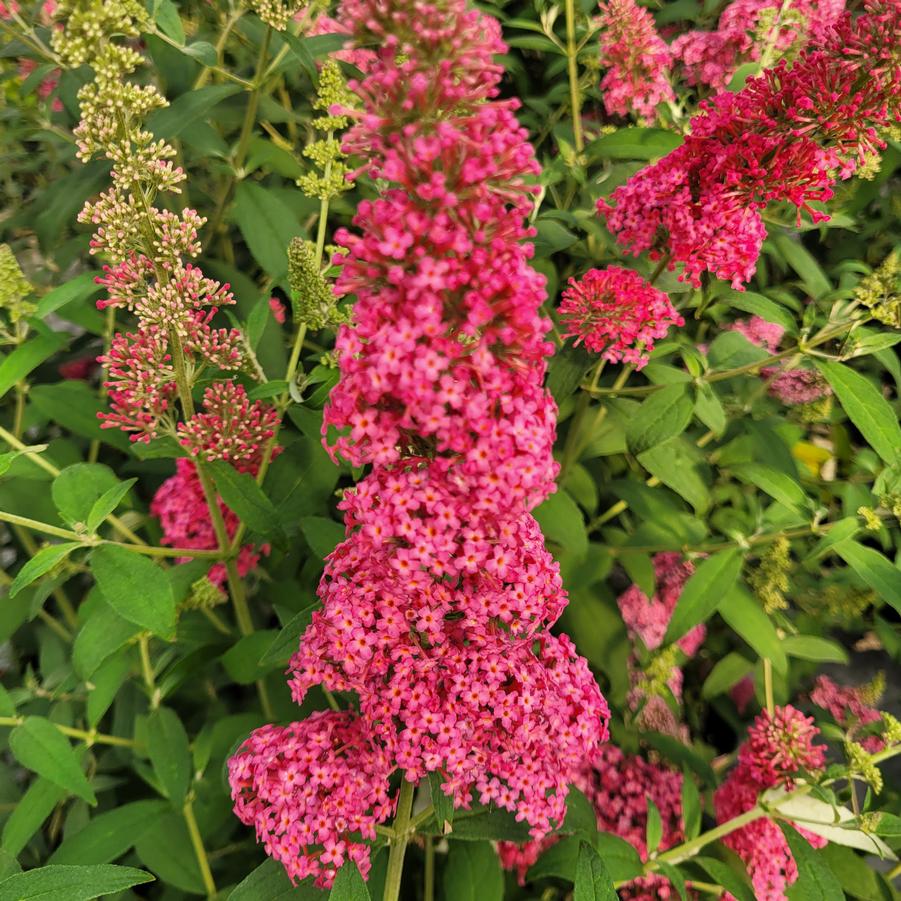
column 450, row 452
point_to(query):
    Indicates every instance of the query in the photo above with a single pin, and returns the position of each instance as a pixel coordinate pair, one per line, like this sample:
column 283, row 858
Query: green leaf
column 269, row 882
column 559, row 861
column 242, row 661
column 245, row 499
column 812, row 647
column 593, row 882
column 691, row 806
column 725, row 673
column 776, row 484
column 40, row 747
column 878, row 572
column 286, row 642
column 654, row 827
column 473, row 873
column 165, row 849
column 815, row 881
column 78, row 487
column 704, row 592
column 191, row 107
column 62, row 883
column 552, row 237
column 746, row 617
column 203, row 51
column 349, row 885
column 633, row 144
column 166, row 17
column 109, row 835
column 843, row 529
column 73, row 405
column 665, row 414
column 43, row 561
column 38, row 802
column 561, row 522
column 103, row 634
column 866, row 408
column 709, row 409
column 483, row 825
column 135, row 588
column 167, row 746
column 323, row 535
column 800, row 259
column 722, row 874
column 444, row 806
column 761, row 306
column 107, row 503
column 831, row 821
column 620, row 857
column 79, row 288
column 679, row 465
column 267, row 225
column 26, row 357
column 731, row 349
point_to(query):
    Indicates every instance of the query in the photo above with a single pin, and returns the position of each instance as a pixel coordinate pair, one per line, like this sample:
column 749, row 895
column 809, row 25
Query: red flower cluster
column 788, row 135
column 619, row 787
column 778, row 746
column 615, row 312
column 437, row 606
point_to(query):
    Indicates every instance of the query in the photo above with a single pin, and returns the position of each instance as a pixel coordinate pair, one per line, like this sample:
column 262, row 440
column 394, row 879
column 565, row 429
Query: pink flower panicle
column 314, row 791
column 744, row 30
column 778, row 746
column 796, row 386
column 181, row 507
column 616, row 313
column 140, row 383
column 759, row 332
column 636, row 59
column 788, row 135
column 850, row 706
column 648, row 619
column 436, row 608
column 231, row 427
column 619, row 787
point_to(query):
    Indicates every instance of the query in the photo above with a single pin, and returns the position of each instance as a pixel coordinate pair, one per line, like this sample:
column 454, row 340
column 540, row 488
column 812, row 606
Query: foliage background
column 690, row 455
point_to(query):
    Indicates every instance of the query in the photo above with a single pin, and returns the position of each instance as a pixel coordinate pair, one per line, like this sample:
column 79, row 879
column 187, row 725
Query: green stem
column 641, row 390
column 398, row 844
column 768, row 685
column 572, row 68
column 91, row 738
column 147, row 671
column 250, row 115
column 429, row 887
column 199, row 851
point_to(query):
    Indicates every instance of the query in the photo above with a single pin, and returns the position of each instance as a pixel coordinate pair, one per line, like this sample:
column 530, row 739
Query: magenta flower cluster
column 778, row 745
column 617, row 314
column 789, row 135
column 745, row 30
column 437, row 607
column 636, row 59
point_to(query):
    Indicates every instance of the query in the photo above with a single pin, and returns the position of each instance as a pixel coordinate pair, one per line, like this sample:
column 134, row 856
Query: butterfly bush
column 436, row 608
column 789, row 135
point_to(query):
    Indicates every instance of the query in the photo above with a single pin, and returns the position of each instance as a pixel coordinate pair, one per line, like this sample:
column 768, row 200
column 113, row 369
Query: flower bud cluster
column 147, row 274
